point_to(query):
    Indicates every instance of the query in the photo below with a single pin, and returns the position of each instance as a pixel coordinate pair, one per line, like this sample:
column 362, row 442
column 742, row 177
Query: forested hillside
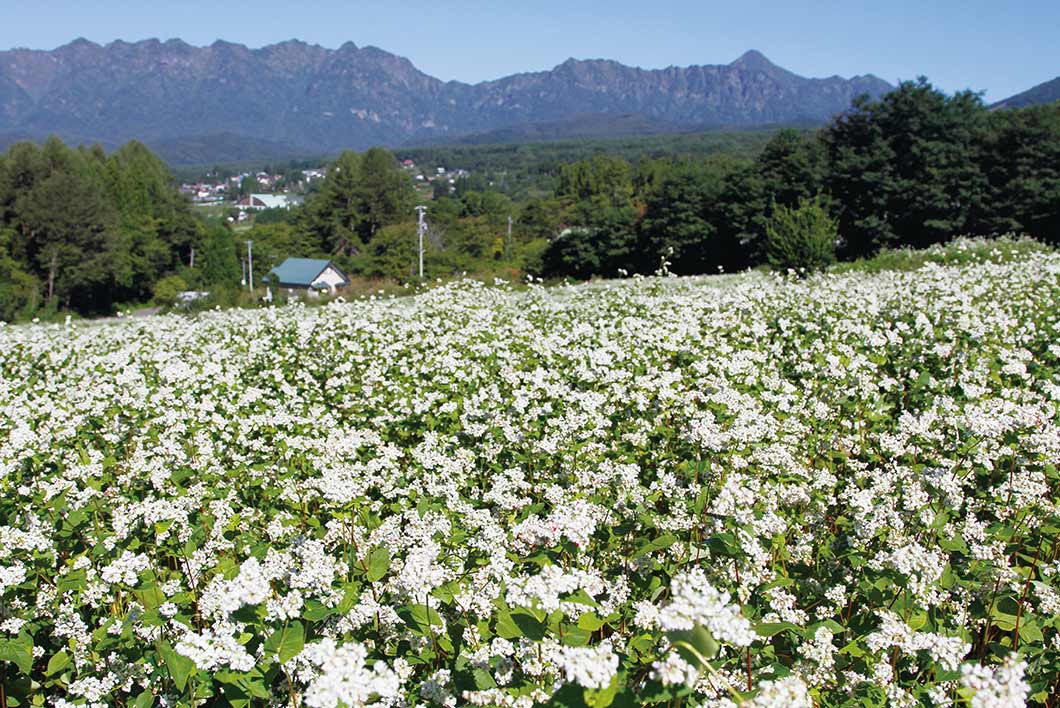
column 82, row 230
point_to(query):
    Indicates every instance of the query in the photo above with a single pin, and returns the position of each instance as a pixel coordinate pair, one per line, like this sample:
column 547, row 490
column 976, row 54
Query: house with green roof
column 312, row 275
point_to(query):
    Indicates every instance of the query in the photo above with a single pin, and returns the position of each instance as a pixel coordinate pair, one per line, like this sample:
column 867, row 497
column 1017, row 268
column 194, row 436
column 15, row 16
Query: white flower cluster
column 695, row 601
column 1003, row 686
column 895, row 633
column 547, row 590
column 344, row 678
column 215, row 648
column 590, row 667
column 250, row 587
column 471, row 479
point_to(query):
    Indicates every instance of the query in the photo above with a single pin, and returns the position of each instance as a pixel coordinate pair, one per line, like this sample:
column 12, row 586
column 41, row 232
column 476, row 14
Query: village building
column 310, row 275
column 265, row 201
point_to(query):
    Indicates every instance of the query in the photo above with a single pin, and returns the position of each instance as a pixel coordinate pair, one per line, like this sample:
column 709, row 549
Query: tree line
column 914, row 168
column 86, row 231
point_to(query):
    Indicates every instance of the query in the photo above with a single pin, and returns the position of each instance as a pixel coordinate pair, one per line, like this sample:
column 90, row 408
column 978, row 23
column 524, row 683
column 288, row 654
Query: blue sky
column 999, row 47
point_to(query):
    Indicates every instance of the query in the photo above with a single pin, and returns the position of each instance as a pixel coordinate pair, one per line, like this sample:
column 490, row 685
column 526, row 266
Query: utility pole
column 250, row 264
column 421, row 229
column 508, row 242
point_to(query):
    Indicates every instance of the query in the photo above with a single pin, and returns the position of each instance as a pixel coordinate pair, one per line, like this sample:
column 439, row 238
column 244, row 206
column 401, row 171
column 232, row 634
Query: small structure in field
column 310, row 275
column 265, row 201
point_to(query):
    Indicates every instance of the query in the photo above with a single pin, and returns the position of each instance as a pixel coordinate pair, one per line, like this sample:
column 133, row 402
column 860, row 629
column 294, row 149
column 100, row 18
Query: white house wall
column 330, row 277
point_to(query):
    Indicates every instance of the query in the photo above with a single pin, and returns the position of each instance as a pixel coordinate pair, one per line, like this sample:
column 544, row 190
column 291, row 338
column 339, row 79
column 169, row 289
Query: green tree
column 392, row 254
column 220, row 257
column 542, row 218
column 1021, row 161
column 89, row 228
column 801, row 238
column 600, row 181
column 678, row 222
column 604, row 245
column 70, row 228
column 167, row 289
column 154, row 225
column 19, row 290
column 385, row 193
column 790, row 167
column 905, row 169
column 362, row 194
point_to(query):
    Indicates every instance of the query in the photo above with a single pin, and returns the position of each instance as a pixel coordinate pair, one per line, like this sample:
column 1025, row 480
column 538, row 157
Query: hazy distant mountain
column 304, row 98
column 1040, row 94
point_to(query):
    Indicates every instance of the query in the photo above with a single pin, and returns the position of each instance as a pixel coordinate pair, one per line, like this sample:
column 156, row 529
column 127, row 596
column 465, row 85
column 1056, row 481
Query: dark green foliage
column 603, row 246
column 905, row 169
column 801, row 238
column 679, row 224
column 392, row 254
column 156, row 231
column 220, row 258
column 69, row 232
column 532, row 166
column 362, row 194
column 83, row 230
column 598, row 182
column 1021, row 161
column 791, row 167
column 19, row 290
column 167, row 289
column 596, row 198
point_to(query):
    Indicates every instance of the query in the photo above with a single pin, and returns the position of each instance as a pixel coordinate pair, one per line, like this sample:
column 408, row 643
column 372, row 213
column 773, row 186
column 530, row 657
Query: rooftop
column 299, row 271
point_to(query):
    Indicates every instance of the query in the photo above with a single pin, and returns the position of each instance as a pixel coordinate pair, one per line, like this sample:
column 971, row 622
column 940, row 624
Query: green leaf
column 316, row 611
column 73, row 581
column 1003, row 620
column 641, row 646
column 150, row 596
column 658, row 544
column 582, row 598
column 236, row 695
column 378, row 563
column 59, row 661
column 419, row 619
column 1030, row 632
column 601, row 697
column 575, row 636
column 18, row 651
column 698, row 638
column 145, row 700
column 506, row 626
column 180, row 667
column 769, row 629
column 287, row 643
column 528, row 625
column 483, row 679
column 590, row 622
column 568, row 696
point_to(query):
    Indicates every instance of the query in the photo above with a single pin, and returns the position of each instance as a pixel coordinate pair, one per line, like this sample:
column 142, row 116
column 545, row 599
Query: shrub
column 167, row 289
column 801, row 238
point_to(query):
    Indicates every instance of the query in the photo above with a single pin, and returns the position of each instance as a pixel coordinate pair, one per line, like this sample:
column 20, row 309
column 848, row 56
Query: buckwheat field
column 752, row 489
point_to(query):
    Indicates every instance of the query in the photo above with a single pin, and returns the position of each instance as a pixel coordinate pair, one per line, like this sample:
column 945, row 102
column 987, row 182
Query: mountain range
column 1047, row 92
column 301, row 98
